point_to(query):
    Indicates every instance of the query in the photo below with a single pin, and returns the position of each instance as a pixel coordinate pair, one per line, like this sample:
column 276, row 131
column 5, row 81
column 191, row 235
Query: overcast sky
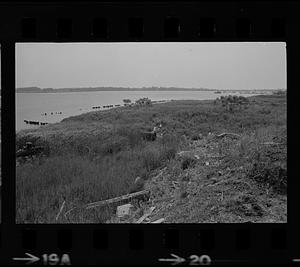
column 206, row 65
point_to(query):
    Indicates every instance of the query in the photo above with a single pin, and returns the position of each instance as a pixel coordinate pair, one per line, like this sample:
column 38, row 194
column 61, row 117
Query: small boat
column 218, row 92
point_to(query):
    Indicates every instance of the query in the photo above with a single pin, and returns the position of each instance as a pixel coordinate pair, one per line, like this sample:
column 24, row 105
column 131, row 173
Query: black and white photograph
column 151, row 132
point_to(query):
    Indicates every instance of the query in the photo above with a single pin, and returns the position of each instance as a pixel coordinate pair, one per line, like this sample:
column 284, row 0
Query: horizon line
column 145, row 87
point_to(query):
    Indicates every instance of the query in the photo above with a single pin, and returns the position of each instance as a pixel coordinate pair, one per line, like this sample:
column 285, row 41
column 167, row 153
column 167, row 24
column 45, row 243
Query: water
column 33, row 106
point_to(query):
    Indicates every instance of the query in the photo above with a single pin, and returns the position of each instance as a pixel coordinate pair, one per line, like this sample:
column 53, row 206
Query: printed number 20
column 202, row 260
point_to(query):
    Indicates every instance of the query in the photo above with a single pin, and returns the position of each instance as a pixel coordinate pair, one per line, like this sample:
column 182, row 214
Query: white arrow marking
column 175, row 260
column 30, row 260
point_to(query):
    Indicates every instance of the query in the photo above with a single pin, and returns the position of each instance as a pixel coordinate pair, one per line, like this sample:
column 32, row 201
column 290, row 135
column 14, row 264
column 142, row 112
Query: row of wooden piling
column 107, row 106
column 52, row 113
column 35, row 122
column 158, row 101
column 95, row 107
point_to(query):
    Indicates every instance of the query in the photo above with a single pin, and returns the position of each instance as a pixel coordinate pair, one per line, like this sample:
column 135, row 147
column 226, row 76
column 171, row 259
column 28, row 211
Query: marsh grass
column 98, row 155
column 79, row 179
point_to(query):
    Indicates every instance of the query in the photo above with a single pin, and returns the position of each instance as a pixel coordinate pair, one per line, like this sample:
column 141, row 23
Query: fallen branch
column 118, row 199
column 61, row 208
column 230, row 134
column 112, row 200
column 145, row 215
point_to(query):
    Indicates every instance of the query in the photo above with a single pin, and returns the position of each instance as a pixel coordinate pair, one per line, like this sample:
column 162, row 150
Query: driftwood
column 228, row 134
column 140, row 220
column 128, row 197
column 118, row 199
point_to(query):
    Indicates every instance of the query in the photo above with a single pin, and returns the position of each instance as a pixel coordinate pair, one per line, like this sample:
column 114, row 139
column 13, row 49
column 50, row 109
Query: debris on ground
column 124, row 210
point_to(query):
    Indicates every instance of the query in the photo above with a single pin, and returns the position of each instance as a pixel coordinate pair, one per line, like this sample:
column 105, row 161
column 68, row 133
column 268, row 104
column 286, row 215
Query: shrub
column 144, row 101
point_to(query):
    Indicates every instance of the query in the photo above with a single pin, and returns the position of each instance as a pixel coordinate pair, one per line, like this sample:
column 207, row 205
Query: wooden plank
column 110, row 201
column 140, row 220
column 117, row 199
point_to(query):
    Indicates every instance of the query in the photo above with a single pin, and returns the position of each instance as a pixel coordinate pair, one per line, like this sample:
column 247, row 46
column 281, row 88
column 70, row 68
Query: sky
column 215, row 65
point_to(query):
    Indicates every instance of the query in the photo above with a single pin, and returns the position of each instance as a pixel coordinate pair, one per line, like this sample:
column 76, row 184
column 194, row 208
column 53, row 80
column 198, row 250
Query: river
column 33, row 106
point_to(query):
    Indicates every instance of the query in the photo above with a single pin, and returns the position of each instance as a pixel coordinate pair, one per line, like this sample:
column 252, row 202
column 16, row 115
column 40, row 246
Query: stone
column 124, row 210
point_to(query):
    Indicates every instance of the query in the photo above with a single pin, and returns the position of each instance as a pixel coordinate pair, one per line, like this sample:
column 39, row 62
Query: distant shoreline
column 96, row 89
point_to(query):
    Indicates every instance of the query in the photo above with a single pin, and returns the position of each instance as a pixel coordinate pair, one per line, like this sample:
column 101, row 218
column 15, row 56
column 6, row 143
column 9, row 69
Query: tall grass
column 43, row 185
column 98, row 155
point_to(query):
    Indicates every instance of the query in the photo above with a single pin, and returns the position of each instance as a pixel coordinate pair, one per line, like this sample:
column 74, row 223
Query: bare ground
column 209, row 191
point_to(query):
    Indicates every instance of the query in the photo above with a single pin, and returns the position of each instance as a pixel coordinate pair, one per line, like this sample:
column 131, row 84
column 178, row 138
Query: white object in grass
column 124, row 210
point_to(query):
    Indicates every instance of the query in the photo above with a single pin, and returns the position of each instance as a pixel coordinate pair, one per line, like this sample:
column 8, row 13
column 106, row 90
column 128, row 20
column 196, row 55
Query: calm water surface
column 33, row 106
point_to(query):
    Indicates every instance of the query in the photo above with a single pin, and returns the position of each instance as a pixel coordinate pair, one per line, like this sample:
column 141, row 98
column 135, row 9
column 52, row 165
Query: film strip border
column 91, row 244
column 147, row 22
column 113, row 22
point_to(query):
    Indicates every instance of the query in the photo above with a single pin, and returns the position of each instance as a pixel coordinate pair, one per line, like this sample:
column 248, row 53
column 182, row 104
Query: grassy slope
column 98, row 155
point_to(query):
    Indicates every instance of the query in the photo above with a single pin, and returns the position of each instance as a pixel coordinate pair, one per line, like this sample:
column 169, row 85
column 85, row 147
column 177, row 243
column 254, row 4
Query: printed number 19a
column 54, row 259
